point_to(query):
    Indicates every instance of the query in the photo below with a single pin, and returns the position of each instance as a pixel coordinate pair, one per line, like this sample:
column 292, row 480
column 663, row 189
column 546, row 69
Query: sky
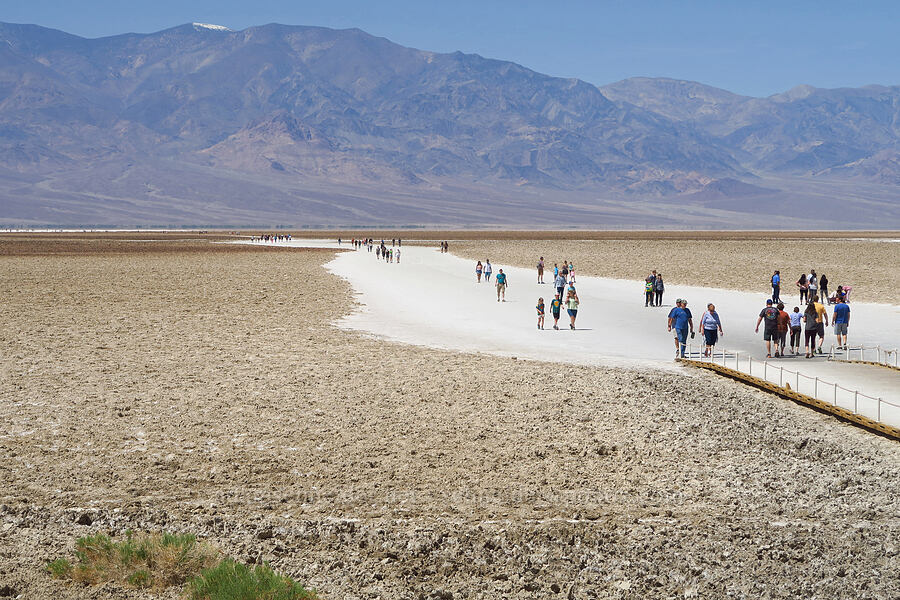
column 757, row 48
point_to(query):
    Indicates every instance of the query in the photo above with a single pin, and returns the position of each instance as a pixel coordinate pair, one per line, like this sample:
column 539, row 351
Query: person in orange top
column 784, row 325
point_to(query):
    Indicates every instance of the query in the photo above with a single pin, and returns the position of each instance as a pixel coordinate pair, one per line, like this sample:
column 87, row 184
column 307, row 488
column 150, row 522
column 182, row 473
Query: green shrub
column 141, row 561
column 230, row 580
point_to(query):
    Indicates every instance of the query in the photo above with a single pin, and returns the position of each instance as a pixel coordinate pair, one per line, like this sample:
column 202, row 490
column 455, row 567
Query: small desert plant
column 230, row 580
column 141, row 561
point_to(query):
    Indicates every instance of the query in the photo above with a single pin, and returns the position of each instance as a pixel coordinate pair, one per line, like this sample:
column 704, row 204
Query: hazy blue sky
column 750, row 47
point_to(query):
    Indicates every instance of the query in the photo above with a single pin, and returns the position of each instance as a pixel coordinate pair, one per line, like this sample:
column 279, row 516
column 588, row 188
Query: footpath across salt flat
column 433, row 299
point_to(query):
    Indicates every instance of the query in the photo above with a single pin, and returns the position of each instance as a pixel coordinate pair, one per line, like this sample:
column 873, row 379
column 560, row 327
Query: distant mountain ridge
column 308, row 125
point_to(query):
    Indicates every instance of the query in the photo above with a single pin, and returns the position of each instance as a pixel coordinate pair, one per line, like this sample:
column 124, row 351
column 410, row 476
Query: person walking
column 711, row 327
column 555, row 307
column 776, row 287
column 678, row 323
column 803, row 284
column 821, row 318
column 770, row 332
column 813, row 281
column 572, row 306
column 841, row 319
column 823, row 287
column 687, row 311
column 501, row 285
column 811, row 329
column 784, row 325
column 478, row 269
column 540, row 270
column 487, row 270
column 660, row 287
column 648, row 292
column 796, row 330
column 540, row 313
column 560, row 284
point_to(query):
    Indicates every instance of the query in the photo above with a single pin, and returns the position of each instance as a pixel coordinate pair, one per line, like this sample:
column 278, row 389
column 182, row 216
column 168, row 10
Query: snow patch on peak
column 202, row 26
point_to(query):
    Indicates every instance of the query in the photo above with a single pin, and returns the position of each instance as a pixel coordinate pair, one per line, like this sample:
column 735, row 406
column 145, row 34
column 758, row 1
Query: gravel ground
column 203, row 388
column 741, row 264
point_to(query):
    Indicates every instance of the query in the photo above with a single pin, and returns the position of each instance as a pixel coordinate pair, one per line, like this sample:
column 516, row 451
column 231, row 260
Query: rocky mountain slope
column 306, row 125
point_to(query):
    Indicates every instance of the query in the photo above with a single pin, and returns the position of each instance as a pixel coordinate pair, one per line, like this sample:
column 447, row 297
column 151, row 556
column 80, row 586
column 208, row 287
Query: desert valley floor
column 165, row 382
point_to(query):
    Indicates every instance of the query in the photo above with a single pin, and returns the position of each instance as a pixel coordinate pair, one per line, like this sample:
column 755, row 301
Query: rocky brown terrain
column 181, row 385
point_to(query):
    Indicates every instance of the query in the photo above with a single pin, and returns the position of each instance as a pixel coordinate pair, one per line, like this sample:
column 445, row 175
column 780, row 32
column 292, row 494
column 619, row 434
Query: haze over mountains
column 297, row 126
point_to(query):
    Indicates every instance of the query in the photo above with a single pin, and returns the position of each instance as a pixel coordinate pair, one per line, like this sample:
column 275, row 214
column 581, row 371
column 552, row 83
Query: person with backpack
column 776, row 287
column 770, row 332
column 823, row 287
column 648, row 292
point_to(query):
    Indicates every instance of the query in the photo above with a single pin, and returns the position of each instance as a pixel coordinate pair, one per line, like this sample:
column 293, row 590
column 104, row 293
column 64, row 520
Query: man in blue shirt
column 776, row 287
column 841, row 319
column 678, row 322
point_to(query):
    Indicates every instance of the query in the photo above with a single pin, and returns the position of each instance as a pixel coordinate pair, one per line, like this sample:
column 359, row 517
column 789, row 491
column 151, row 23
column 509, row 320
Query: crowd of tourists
column 381, row 250
column 271, row 237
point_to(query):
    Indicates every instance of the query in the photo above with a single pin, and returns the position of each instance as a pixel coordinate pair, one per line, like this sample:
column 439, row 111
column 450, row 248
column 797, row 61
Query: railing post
column 798, row 382
column 816, row 388
column 879, row 410
column 834, row 401
column 766, row 370
column 855, row 399
column 781, row 376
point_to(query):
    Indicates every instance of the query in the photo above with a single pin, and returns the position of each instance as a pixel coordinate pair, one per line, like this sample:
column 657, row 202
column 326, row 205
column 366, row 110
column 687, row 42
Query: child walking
column 540, row 313
column 555, row 307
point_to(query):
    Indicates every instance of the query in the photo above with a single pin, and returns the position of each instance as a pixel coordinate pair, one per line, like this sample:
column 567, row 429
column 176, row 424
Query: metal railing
column 874, row 354
column 875, row 408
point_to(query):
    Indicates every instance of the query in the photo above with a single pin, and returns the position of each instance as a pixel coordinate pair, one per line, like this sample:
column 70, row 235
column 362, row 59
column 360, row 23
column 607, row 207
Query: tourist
column 841, row 319
column 711, row 327
column 776, row 287
column 572, row 306
column 540, row 313
column 803, row 284
column 398, row 254
column 821, row 319
column 813, row 282
column 770, row 331
column 501, row 285
column 555, row 271
column 571, row 272
column 784, row 326
column 812, row 328
column 678, row 323
column 487, row 270
column 796, row 330
column 648, row 292
column 555, row 306
column 660, row 287
column 540, row 270
column 687, row 311
column 478, row 270
column 823, row 286
column 560, row 284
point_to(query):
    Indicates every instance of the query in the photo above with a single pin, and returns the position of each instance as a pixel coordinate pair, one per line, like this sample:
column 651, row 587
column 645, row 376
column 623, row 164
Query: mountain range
column 309, row 126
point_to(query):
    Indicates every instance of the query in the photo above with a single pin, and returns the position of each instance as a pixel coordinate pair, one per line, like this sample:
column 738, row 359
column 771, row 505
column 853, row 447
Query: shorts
column 712, row 336
column 840, row 329
column 572, row 311
column 770, row 335
column 556, row 315
column 501, row 287
column 821, row 330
